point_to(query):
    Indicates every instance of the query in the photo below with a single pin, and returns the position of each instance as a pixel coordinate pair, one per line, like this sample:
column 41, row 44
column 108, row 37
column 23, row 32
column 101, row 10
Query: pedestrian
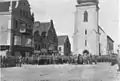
column 19, row 60
column 117, row 60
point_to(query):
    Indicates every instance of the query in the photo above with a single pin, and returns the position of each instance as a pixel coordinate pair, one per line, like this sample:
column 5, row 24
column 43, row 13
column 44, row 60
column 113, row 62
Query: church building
column 86, row 36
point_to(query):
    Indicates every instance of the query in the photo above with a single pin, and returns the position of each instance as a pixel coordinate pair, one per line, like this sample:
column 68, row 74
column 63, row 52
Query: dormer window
column 85, row 16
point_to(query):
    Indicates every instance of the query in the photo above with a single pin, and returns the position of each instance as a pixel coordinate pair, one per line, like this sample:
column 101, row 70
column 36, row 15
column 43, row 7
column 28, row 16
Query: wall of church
column 90, row 26
column 103, row 42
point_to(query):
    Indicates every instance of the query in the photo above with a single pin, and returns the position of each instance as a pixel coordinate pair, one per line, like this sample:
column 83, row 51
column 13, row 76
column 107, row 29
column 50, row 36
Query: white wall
column 103, row 42
column 5, row 27
column 80, row 26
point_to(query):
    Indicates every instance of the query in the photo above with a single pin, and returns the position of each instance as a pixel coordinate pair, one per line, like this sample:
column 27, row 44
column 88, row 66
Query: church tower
column 86, row 27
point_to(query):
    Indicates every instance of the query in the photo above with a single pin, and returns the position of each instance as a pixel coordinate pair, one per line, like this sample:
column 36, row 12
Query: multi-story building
column 16, row 25
column 110, row 45
column 64, row 46
column 45, row 38
column 86, row 34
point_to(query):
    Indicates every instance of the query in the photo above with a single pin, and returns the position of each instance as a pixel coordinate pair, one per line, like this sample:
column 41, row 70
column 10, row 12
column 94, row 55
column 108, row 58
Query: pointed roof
column 42, row 26
column 110, row 38
column 61, row 39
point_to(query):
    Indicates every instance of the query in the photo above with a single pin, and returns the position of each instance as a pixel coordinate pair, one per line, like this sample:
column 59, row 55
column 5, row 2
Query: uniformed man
column 118, row 59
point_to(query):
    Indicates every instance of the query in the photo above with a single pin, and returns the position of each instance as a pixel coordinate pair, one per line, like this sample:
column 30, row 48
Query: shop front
column 22, row 51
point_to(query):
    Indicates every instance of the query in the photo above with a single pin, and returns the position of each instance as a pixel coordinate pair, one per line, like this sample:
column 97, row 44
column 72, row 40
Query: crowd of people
column 85, row 58
column 7, row 61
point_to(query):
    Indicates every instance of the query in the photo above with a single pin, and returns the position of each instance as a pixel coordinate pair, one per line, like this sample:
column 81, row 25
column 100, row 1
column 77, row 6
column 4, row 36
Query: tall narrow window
column 16, row 23
column 85, row 42
column 85, row 32
column 60, row 49
column 85, row 16
column 21, row 12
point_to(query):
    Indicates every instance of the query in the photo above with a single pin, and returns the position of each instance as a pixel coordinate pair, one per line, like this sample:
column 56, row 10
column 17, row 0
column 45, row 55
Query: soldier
column 19, row 60
column 118, row 59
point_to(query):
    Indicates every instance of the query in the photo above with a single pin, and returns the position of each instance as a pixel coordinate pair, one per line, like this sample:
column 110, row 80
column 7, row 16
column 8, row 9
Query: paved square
column 66, row 72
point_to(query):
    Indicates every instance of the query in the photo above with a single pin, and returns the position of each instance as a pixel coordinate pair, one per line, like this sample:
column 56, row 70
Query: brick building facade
column 16, row 29
column 45, row 38
column 64, row 46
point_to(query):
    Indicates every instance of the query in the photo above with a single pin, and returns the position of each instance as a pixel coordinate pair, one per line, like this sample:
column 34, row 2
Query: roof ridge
column 61, row 39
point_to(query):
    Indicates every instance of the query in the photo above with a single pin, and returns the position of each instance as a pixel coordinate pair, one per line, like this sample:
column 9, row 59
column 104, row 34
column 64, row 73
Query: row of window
column 24, row 13
column 43, row 35
column 39, row 46
column 24, row 41
column 17, row 23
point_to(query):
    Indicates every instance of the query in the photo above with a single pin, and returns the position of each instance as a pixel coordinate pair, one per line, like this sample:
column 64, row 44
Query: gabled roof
column 61, row 39
column 109, row 38
column 45, row 26
column 42, row 27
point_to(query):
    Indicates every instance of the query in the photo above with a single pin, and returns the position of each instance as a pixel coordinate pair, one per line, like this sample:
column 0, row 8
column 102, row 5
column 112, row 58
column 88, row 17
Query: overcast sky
column 62, row 13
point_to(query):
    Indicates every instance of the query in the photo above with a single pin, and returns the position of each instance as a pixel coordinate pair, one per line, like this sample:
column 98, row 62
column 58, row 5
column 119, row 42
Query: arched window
column 85, row 31
column 85, row 16
column 43, row 34
column 36, row 36
column 85, row 42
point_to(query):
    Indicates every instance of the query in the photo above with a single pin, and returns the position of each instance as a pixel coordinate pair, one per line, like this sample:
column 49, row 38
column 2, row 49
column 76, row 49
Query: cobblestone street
column 99, row 72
